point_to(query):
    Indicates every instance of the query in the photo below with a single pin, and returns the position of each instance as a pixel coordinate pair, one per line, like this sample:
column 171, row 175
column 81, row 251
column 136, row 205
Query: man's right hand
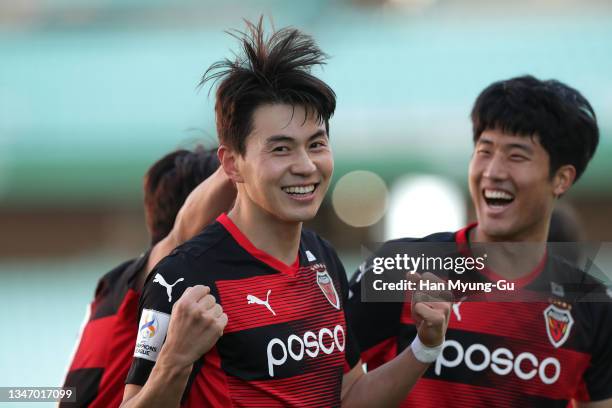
column 196, row 323
column 430, row 311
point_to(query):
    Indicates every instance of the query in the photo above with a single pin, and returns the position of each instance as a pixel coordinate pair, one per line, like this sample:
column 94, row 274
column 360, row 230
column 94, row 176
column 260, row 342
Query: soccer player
column 532, row 140
column 283, row 288
column 104, row 352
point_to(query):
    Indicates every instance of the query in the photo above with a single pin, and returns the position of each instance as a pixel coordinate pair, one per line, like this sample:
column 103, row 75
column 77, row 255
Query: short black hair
column 562, row 119
column 270, row 70
column 169, row 181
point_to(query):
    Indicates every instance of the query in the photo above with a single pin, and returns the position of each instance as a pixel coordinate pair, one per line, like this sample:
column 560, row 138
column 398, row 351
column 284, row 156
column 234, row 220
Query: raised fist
column 430, row 310
column 196, row 323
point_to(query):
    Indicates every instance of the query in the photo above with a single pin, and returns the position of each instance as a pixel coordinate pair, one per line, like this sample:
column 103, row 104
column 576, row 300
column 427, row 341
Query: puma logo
column 160, row 279
column 254, row 299
column 456, row 307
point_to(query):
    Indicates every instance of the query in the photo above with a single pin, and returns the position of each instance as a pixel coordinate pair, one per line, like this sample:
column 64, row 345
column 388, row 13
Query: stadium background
column 92, row 92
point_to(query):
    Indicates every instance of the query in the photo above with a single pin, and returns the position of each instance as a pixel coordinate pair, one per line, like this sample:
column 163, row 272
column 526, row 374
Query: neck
column 276, row 237
column 509, row 258
column 537, row 234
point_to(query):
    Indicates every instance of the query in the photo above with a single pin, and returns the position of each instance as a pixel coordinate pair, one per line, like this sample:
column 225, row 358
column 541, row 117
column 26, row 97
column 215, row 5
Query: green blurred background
column 92, row 92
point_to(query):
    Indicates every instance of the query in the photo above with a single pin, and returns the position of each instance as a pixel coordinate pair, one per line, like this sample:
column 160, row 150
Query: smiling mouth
column 497, row 198
column 300, row 191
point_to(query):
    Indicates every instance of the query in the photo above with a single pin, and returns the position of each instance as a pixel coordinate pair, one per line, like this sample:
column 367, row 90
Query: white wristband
column 423, row 353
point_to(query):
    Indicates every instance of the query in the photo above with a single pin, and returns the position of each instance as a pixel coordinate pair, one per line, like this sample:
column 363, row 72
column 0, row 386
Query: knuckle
column 207, row 319
column 179, row 307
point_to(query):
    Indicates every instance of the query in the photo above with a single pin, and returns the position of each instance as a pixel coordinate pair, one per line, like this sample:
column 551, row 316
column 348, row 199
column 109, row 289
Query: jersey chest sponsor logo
column 502, row 361
column 310, row 344
column 559, row 323
column 326, row 284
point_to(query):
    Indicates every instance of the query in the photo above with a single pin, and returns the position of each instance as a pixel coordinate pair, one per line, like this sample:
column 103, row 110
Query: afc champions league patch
column 327, row 286
column 559, row 323
column 152, row 331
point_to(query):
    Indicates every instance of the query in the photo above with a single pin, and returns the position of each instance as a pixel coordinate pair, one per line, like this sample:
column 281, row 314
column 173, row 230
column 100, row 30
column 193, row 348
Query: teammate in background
column 532, row 140
column 104, row 352
column 283, row 288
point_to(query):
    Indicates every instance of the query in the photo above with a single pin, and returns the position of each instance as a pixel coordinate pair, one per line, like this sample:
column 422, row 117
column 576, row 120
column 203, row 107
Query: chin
column 496, row 229
column 503, row 234
column 298, row 216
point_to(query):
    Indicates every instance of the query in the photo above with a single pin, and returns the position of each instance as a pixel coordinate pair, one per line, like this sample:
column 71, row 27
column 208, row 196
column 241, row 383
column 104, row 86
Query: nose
column 303, row 165
column 495, row 168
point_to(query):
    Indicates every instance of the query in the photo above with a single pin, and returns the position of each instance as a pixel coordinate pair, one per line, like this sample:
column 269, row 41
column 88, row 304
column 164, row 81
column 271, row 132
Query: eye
column 280, row 149
column 318, row 144
column 483, row 151
column 517, row 157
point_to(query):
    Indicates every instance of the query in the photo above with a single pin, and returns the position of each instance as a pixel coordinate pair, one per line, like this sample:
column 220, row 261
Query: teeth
column 497, row 195
column 299, row 189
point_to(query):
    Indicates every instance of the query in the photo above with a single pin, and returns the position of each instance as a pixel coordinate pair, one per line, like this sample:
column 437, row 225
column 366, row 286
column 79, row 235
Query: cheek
column 324, row 161
column 532, row 178
column 537, row 192
column 327, row 166
column 269, row 169
column 473, row 176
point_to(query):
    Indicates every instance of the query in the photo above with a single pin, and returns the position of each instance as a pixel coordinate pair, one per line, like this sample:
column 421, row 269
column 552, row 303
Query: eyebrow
column 286, row 138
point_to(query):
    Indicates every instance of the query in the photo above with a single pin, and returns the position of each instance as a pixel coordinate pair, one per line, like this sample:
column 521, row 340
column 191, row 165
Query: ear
column 563, row 179
column 229, row 161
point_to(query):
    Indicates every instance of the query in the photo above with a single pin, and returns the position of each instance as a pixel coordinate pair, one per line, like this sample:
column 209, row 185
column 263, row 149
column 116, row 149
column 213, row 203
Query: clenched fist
column 196, row 323
column 430, row 311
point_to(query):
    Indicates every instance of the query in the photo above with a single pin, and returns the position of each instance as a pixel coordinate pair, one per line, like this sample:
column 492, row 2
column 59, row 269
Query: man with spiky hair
column 287, row 342
column 532, row 140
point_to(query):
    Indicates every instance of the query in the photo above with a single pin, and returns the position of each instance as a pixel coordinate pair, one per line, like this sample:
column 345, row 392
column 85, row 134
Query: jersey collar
column 248, row 246
column 463, row 245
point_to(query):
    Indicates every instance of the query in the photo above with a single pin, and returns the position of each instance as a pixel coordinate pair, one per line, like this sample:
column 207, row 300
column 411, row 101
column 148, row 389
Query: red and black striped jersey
column 286, row 342
column 539, row 353
column 104, row 350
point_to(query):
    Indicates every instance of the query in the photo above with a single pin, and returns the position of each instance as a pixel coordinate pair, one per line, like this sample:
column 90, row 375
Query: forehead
column 286, row 120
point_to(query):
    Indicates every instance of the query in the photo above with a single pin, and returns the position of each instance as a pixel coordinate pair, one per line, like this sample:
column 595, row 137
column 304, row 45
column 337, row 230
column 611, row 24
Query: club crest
column 327, row 287
column 559, row 323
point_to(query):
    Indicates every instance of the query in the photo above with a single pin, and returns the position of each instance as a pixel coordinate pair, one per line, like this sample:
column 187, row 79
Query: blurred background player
column 178, row 204
column 532, row 140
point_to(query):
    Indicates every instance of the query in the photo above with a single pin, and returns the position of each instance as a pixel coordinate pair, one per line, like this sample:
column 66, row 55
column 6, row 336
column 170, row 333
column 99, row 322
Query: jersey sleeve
column 163, row 287
column 375, row 324
column 598, row 376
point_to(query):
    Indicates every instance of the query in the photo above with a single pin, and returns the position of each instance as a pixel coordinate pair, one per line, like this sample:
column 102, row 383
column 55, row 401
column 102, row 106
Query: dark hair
column 557, row 114
column 169, row 181
column 272, row 70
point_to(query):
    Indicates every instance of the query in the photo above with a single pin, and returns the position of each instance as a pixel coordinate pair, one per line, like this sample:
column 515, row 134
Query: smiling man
column 287, row 342
column 532, row 140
